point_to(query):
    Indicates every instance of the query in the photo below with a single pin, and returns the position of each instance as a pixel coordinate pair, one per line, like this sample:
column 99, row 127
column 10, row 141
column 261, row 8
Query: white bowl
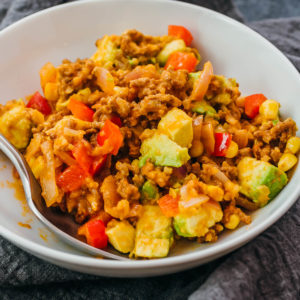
column 69, row 31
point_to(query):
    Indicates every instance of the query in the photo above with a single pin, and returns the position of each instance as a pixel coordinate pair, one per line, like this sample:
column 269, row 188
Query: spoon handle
column 18, row 161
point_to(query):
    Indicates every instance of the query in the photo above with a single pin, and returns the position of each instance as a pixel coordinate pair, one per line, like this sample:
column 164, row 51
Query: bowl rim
column 213, row 251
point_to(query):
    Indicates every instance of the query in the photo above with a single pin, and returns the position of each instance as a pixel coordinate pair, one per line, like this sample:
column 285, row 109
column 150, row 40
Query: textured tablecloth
column 266, row 268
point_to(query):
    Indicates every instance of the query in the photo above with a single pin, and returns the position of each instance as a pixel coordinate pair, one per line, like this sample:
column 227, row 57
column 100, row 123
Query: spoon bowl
column 61, row 224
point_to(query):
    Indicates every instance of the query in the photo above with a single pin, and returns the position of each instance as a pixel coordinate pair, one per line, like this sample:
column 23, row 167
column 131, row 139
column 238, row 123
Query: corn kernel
column 232, row 150
column 293, row 145
column 48, row 73
column 287, row 161
column 234, row 221
column 269, row 109
column 196, row 149
column 173, row 193
column 51, row 91
column 215, row 192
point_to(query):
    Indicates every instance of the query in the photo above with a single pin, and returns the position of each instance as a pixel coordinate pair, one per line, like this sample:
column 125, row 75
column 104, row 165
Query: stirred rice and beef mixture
column 143, row 150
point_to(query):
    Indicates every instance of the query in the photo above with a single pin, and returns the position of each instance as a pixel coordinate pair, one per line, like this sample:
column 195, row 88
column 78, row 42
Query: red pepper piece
column 37, row 101
column 169, row 205
column 98, row 164
column 81, row 155
column 180, row 32
column 94, row 231
column 222, row 142
column 252, row 104
column 182, row 60
column 71, row 178
column 80, row 110
column 110, row 134
column 116, row 120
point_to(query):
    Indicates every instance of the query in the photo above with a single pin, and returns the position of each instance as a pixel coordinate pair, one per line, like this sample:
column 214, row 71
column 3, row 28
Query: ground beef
column 230, row 171
column 125, row 189
column 112, row 104
column 153, row 107
column 131, row 140
column 74, row 76
column 270, row 140
column 232, row 209
column 135, row 44
column 159, row 175
column 278, row 133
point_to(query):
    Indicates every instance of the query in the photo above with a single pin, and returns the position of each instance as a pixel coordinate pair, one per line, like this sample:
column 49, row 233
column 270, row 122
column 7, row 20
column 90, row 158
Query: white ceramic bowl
column 69, row 31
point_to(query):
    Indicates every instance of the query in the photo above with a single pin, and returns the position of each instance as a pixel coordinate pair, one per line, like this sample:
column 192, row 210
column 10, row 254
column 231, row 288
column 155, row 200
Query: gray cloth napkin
column 266, row 268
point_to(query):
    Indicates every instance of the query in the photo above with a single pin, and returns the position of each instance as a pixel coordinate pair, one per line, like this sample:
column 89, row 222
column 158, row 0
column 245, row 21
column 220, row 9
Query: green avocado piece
column 186, row 226
column 178, row 126
column 154, row 234
column 198, row 222
column 162, row 151
column 163, row 55
column 149, row 191
column 259, row 180
column 203, row 108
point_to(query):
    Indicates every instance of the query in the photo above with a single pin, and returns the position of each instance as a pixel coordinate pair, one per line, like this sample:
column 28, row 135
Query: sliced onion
column 208, row 137
column 220, row 175
column 148, row 71
column 197, row 127
column 201, row 85
column 194, row 201
column 104, row 80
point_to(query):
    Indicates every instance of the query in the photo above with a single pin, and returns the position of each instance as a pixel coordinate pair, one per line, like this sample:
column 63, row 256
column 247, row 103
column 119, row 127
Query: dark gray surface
column 254, row 10
column 266, row 268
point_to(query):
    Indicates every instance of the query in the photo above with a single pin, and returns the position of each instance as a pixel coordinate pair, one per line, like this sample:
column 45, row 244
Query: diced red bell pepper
column 94, row 231
column 37, row 101
column 81, row 155
column 88, row 163
column 116, row 120
column 169, row 205
column 71, row 178
column 110, row 134
column 98, row 164
column 252, row 104
column 222, row 142
column 180, row 32
column 182, row 60
column 80, row 110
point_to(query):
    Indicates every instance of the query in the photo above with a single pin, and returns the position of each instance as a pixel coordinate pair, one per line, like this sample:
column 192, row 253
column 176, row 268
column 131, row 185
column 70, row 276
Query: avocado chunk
column 203, row 108
column 259, row 180
column 16, row 124
column 121, row 235
column 163, row 55
column 196, row 223
column 178, row 126
column 149, row 191
column 154, row 234
column 162, row 151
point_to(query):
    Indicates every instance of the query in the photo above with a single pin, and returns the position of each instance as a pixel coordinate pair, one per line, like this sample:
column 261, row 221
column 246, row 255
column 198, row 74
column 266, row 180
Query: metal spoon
column 61, row 224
